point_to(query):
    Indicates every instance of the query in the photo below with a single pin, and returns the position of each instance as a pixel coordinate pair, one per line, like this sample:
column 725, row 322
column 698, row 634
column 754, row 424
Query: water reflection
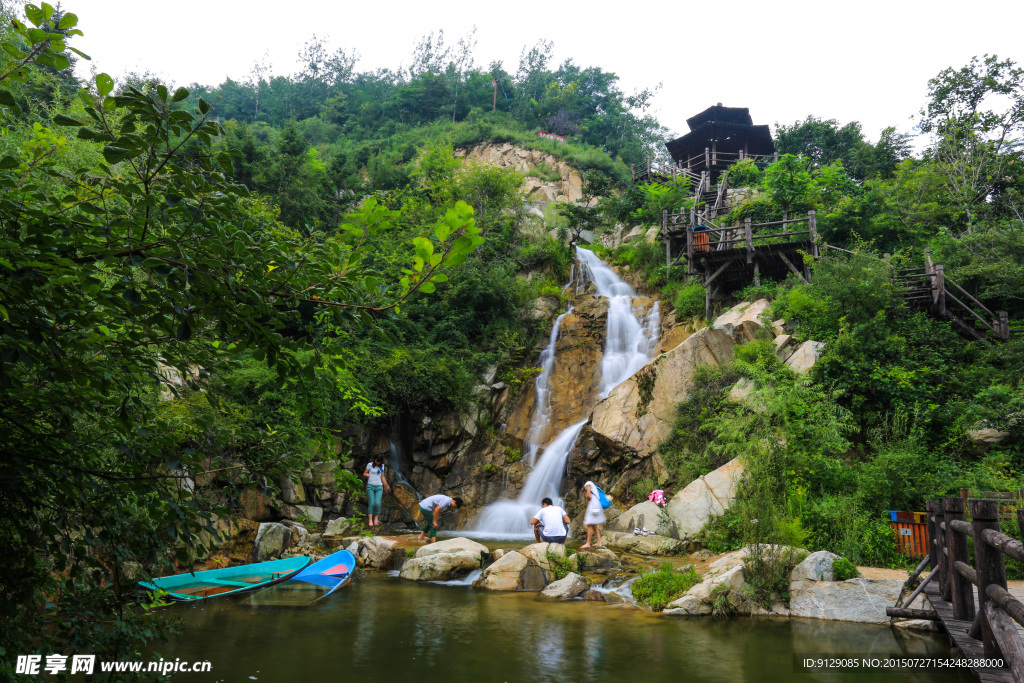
column 384, row 629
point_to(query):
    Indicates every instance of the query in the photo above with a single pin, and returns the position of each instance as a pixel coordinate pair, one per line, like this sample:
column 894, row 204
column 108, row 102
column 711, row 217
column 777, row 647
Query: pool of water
column 381, row 628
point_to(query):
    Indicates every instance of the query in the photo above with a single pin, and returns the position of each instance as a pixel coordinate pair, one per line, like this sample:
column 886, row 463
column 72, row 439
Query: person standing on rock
column 594, row 516
column 432, row 508
column 376, row 484
column 550, row 524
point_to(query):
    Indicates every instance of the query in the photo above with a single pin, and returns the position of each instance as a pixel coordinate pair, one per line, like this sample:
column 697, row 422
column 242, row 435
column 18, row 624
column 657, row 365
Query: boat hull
column 227, row 580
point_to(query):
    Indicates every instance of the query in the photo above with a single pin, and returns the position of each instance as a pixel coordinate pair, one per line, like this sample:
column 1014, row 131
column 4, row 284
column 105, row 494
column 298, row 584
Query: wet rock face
column 638, row 414
column 576, row 376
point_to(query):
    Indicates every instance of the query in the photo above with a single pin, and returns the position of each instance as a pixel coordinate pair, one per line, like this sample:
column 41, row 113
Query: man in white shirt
column 432, row 508
column 550, row 524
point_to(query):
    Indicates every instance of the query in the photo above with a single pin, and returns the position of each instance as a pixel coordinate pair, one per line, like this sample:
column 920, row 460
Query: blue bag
column 606, row 502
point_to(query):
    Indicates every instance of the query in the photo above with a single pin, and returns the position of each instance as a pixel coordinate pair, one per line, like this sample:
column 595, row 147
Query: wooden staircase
column 929, row 289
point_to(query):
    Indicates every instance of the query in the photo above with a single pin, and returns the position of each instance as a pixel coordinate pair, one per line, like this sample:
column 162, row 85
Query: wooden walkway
column 982, row 614
column 964, row 644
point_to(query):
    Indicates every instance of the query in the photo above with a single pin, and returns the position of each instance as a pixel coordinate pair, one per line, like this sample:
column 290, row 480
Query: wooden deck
column 958, row 630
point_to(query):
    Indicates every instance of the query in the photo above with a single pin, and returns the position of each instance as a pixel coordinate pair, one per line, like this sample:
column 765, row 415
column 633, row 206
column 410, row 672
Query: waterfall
column 395, row 459
column 629, row 342
column 629, row 345
column 542, row 411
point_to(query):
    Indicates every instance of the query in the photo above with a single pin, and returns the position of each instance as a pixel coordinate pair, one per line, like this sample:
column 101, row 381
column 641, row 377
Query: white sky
column 865, row 61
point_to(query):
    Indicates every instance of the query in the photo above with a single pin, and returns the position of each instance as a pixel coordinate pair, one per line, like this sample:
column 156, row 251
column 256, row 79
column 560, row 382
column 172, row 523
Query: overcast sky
column 866, row 61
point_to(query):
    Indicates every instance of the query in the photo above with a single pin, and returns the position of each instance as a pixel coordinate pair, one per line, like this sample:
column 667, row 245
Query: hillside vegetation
column 297, row 256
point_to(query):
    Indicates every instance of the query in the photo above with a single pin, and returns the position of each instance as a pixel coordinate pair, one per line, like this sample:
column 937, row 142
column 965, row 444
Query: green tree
column 113, row 274
column 788, row 184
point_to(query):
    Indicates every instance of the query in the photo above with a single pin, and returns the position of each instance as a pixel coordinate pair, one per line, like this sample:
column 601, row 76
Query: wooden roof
column 730, row 137
column 721, row 114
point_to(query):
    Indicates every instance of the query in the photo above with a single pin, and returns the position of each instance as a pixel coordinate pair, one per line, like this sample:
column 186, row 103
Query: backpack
column 605, row 501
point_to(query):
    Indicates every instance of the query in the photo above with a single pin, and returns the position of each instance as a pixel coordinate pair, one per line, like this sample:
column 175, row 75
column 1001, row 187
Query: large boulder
column 537, row 553
column 643, row 545
column 312, row 512
column 861, row 600
column 639, row 413
column 505, row 574
column 743, row 321
column 564, row 589
column 815, row 567
column 707, row 496
column 377, row 551
column 271, row 540
column 653, row 519
column 444, row 560
column 596, row 558
column 440, row 566
column 452, row 545
column 805, row 356
column 292, row 492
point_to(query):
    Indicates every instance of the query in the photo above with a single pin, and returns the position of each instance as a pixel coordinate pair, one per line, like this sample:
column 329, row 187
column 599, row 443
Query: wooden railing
column 993, row 621
column 946, row 299
column 692, row 166
column 651, row 169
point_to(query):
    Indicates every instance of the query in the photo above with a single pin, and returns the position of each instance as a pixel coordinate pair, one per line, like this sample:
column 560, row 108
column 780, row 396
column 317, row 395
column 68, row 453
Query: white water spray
column 629, row 345
column 542, row 411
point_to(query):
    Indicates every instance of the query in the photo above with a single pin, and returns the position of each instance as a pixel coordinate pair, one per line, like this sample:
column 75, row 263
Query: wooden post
column 714, row 153
column 1004, row 325
column 939, row 292
column 689, row 250
column 707, row 301
column 748, row 232
column 707, row 158
column 933, row 549
column 775, row 156
column 988, row 563
column 757, row 273
column 812, row 226
column 667, row 238
column 943, row 577
column 962, row 589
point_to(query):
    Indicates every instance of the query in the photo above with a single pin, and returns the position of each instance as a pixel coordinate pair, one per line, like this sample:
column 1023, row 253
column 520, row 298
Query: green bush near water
column 656, row 589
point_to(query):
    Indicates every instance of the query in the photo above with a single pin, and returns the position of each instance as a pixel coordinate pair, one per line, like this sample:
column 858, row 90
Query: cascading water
column 629, row 342
column 629, row 345
column 542, row 412
column 395, row 453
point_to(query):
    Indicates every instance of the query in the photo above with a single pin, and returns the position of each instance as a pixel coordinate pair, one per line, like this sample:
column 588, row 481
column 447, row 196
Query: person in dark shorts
column 432, row 508
column 550, row 524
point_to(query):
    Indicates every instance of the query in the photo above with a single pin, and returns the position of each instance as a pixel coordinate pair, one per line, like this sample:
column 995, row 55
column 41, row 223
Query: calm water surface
column 384, row 629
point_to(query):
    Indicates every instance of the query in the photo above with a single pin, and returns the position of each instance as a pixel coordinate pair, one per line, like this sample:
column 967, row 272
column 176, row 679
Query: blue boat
column 227, row 580
column 313, row 583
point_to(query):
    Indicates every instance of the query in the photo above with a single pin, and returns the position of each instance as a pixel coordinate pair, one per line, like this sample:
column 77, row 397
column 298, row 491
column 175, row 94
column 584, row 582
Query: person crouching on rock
column 432, row 508
column 550, row 524
column 376, row 484
column 594, row 516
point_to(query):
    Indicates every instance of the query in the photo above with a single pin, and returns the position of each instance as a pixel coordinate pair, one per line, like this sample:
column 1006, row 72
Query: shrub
column 721, row 604
column 767, row 571
column 563, row 565
column 690, row 301
column 658, row 588
column 843, row 569
column 722, row 534
column 640, row 488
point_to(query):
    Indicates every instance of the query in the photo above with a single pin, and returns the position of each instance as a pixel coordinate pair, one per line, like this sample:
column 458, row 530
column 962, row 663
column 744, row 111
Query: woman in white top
column 376, row 484
column 594, row 516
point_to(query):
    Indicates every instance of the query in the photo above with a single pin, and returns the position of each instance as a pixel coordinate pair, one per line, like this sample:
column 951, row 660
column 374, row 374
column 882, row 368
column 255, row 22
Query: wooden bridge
column 982, row 617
